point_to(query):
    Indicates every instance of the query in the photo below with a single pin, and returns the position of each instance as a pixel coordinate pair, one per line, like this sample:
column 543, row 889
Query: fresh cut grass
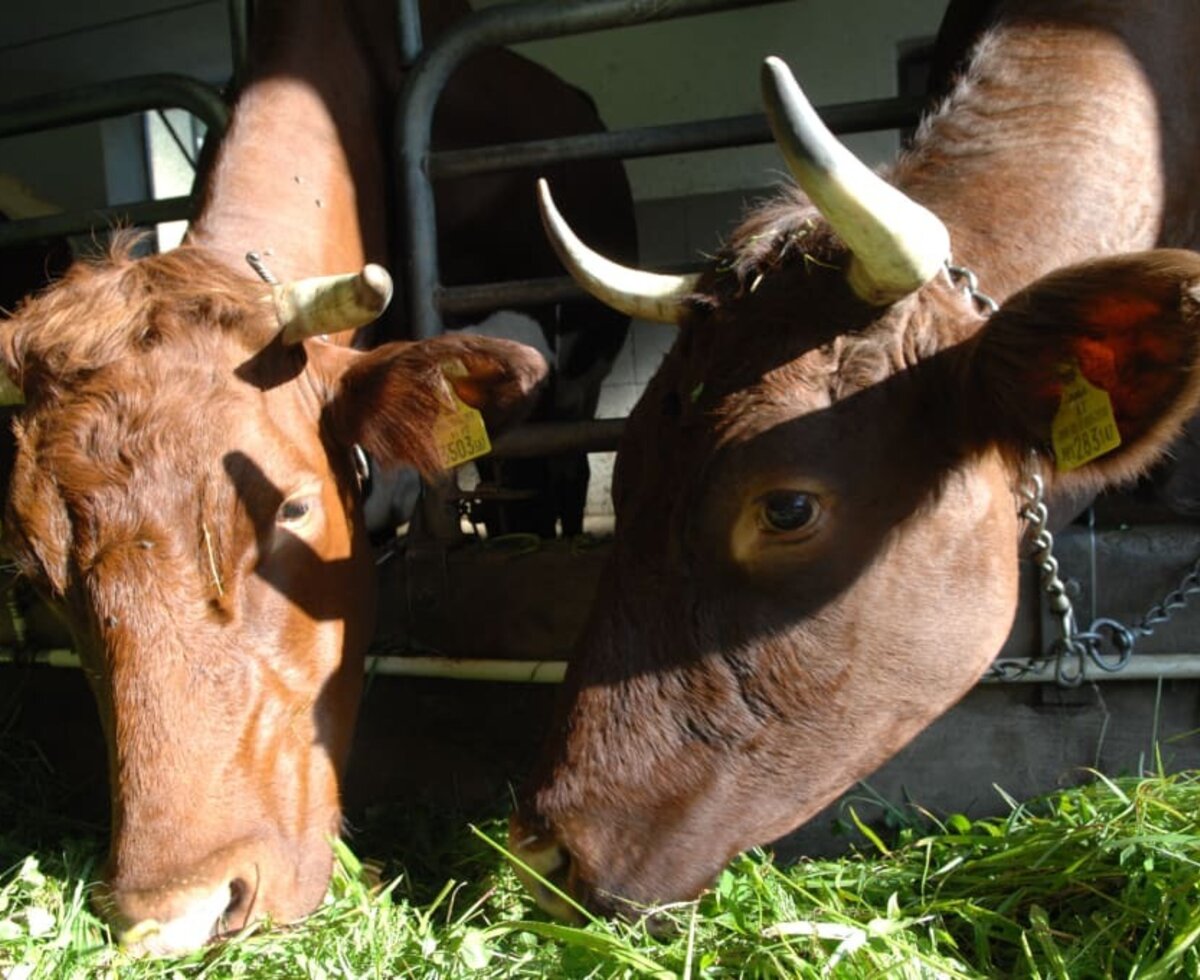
column 1097, row 881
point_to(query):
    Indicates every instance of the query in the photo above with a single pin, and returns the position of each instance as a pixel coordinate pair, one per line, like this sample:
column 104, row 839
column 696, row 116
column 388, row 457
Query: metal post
column 239, row 38
column 408, row 28
column 501, row 25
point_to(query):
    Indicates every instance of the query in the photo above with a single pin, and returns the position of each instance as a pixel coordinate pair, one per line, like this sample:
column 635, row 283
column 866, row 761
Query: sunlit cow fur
column 741, row 668
column 183, row 494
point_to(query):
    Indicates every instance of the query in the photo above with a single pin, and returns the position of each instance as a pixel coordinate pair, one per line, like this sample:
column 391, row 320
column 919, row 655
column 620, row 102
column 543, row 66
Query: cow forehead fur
column 118, row 308
column 745, row 347
column 140, row 376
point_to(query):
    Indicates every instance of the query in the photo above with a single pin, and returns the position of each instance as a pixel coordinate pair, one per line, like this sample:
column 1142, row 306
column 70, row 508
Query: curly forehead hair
column 106, row 310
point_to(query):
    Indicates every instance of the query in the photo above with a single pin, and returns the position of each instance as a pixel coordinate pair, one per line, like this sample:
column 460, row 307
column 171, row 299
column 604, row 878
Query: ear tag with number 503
column 459, row 431
column 1084, row 426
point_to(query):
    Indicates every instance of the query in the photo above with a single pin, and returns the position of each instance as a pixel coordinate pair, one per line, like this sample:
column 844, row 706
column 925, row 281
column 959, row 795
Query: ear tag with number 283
column 1084, row 426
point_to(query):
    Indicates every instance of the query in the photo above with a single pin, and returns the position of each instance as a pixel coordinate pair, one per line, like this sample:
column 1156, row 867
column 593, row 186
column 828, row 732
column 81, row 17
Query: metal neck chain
column 963, row 278
column 256, row 262
column 1106, row 643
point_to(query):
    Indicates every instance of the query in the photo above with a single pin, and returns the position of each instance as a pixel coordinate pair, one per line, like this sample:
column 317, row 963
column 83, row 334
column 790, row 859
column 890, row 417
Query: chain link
column 259, row 265
column 963, row 278
column 1107, row 643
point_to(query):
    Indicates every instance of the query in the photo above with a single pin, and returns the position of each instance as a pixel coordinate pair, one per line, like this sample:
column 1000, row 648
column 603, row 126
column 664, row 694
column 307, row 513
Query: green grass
column 1099, row 881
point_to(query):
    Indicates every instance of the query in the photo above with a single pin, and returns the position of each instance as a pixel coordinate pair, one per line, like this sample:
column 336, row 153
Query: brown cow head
column 183, row 493
column 817, row 532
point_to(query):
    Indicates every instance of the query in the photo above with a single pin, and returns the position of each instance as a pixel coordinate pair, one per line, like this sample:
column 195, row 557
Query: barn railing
column 430, row 580
column 93, row 103
column 419, row 167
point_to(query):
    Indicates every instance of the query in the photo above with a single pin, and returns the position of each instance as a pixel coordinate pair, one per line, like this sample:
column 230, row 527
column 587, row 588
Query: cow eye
column 295, row 510
column 788, row 511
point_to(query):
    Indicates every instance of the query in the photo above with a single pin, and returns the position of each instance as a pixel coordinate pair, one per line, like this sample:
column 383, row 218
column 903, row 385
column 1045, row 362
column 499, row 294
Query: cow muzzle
column 547, row 871
column 190, row 907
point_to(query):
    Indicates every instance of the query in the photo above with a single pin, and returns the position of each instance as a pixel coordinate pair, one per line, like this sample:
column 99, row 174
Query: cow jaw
column 666, row 773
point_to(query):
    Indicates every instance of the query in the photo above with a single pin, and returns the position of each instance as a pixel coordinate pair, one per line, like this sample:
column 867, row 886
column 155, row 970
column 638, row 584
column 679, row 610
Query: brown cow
column 817, row 514
column 184, row 492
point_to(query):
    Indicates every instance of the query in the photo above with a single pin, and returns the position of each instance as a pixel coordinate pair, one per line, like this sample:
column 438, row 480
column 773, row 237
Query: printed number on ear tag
column 460, row 433
column 1084, row 426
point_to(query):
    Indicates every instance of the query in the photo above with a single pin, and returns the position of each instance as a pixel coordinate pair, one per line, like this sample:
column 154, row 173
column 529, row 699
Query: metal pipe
column 239, row 38
column 488, row 296
column 82, row 222
column 447, row 668
column 116, row 98
column 549, row 438
column 471, row 669
column 1142, row 667
column 496, row 26
column 644, row 141
column 1146, row 667
column 518, row 292
column 408, row 30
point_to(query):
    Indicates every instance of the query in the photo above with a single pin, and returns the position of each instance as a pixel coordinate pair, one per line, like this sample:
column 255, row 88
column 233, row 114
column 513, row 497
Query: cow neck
column 1029, row 173
column 300, row 176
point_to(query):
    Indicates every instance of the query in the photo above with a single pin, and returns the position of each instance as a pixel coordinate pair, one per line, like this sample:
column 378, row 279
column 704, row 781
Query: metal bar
column 496, row 26
column 1174, row 666
column 517, row 292
column 115, row 98
column 489, row 296
column 472, row 669
column 549, row 438
column 239, row 38
column 645, row 141
column 82, row 222
column 408, row 30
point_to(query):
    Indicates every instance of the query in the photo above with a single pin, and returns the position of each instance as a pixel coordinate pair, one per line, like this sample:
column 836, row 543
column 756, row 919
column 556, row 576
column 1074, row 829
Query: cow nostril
column 239, row 902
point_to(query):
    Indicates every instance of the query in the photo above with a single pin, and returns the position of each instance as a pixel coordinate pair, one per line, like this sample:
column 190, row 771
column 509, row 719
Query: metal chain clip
column 1107, row 643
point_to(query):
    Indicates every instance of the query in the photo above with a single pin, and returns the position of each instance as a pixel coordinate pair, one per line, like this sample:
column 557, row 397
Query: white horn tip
column 377, row 287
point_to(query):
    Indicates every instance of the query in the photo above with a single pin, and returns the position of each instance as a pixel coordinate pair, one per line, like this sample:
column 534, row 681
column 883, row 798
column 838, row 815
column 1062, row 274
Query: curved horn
column 331, row 304
column 897, row 244
column 647, row 295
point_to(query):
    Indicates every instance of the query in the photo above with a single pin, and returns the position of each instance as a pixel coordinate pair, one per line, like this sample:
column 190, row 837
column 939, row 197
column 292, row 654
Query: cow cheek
column 964, row 592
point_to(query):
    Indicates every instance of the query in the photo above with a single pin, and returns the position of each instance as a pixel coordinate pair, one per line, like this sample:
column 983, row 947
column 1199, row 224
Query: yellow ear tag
column 459, row 431
column 1084, row 426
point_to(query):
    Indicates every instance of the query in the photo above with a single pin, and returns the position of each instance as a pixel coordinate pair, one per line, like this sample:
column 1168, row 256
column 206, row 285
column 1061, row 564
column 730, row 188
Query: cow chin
column 236, row 886
column 618, row 863
column 567, row 890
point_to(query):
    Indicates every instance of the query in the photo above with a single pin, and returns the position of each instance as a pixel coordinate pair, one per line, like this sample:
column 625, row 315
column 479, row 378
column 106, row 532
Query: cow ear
column 1095, row 365
column 390, row 399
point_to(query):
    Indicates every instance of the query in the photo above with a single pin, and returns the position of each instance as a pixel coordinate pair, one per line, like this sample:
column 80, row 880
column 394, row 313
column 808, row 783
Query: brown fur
column 112, row 309
column 734, row 678
column 165, row 428
column 183, row 494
